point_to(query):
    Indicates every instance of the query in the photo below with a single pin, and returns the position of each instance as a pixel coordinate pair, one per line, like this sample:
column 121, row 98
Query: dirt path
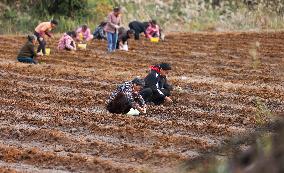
column 52, row 115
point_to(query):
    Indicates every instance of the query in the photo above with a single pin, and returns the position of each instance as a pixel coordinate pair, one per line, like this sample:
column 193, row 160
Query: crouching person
column 67, row 42
column 123, row 36
column 127, row 97
column 157, row 90
column 27, row 53
column 153, row 30
column 99, row 32
column 84, row 34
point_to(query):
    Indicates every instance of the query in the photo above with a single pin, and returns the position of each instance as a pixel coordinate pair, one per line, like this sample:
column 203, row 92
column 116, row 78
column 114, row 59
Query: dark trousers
column 136, row 29
column 119, row 105
column 42, row 43
column 150, row 95
column 26, row 60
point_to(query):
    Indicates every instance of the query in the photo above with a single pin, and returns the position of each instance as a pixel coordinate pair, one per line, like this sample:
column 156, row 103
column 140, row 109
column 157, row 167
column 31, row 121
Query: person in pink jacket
column 84, row 33
column 153, row 30
column 111, row 28
column 67, row 42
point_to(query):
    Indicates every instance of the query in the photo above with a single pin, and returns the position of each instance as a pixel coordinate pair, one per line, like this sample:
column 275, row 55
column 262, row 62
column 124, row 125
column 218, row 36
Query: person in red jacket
column 41, row 30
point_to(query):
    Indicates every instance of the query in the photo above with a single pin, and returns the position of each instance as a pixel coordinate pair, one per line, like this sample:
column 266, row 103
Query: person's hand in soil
column 36, row 59
column 142, row 110
column 168, row 99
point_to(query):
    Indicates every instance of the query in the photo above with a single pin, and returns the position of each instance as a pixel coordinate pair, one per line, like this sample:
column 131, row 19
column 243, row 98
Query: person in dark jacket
column 127, row 96
column 157, row 89
column 27, row 53
column 138, row 28
column 99, row 32
column 123, row 36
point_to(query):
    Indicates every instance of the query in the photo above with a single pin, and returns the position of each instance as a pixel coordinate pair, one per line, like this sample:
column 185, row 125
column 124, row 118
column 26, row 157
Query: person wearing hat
column 27, row 53
column 41, row 30
column 111, row 28
column 127, row 96
column 157, row 89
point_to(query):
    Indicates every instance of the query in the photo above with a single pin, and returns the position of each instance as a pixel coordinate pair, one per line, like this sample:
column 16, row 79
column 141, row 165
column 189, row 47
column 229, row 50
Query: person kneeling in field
column 67, row 42
column 99, row 32
column 127, row 97
column 153, row 30
column 157, row 89
column 84, row 34
column 123, row 36
column 27, row 53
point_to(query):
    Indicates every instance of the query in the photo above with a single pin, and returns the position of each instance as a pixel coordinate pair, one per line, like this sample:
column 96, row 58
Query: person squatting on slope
column 153, row 30
column 27, row 53
column 123, row 36
column 67, row 42
column 99, row 32
column 127, row 96
column 157, row 89
column 111, row 28
column 83, row 34
column 41, row 30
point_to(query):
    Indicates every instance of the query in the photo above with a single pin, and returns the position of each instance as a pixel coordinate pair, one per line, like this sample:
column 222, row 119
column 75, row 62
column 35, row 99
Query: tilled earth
column 52, row 115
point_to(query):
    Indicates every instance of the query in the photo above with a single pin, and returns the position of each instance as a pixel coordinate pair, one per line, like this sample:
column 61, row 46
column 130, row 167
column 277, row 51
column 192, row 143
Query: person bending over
column 41, row 30
column 99, row 32
column 67, row 42
column 127, row 96
column 123, row 36
column 138, row 28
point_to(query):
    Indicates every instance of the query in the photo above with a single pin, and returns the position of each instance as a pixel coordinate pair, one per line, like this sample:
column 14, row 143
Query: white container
column 133, row 112
column 125, row 47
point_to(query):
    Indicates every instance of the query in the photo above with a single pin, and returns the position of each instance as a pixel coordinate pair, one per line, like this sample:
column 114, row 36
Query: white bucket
column 125, row 47
column 133, row 112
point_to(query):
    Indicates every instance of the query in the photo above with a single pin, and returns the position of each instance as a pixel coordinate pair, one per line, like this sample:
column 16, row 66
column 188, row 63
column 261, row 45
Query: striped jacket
column 126, row 88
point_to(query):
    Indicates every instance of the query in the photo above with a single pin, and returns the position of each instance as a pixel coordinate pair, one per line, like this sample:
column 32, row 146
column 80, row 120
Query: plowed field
column 52, row 116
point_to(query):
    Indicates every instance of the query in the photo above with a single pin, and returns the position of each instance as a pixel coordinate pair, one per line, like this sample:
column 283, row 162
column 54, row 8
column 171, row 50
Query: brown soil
column 53, row 117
